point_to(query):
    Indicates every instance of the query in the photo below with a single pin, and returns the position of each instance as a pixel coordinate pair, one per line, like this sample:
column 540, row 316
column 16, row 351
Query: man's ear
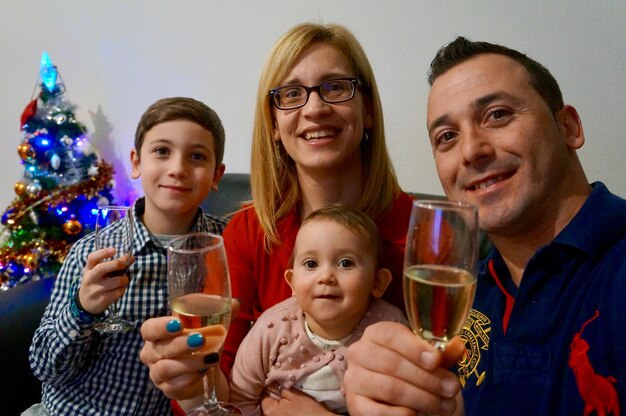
column 217, row 176
column 381, row 281
column 135, row 164
column 289, row 279
column 571, row 126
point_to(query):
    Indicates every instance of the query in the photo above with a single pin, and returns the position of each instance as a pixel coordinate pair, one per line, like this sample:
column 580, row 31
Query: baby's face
column 333, row 274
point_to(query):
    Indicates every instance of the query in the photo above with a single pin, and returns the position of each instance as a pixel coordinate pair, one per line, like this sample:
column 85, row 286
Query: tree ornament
column 55, row 161
column 34, row 217
column 19, row 188
column 67, row 141
column 93, row 170
column 34, row 188
column 59, row 118
column 28, row 112
column 47, row 72
column 26, row 151
column 72, row 227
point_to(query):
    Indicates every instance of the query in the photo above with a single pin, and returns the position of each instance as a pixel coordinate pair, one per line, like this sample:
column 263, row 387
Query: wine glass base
column 223, row 409
column 114, row 326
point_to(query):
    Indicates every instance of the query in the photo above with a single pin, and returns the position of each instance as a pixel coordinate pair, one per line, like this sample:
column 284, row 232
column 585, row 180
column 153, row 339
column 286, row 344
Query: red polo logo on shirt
column 597, row 392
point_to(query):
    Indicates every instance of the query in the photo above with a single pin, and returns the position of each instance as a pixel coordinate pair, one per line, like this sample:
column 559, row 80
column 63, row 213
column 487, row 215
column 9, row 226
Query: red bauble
column 28, row 112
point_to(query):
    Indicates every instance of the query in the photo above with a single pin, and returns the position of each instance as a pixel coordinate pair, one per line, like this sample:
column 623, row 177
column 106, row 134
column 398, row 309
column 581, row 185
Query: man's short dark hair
column 462, row 49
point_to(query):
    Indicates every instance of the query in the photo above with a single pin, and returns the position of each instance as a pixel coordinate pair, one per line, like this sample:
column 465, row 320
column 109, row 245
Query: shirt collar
column 143, row 236
column 602, row 211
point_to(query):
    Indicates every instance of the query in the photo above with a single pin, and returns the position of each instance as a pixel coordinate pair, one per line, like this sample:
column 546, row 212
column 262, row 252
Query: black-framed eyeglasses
column 332, row 91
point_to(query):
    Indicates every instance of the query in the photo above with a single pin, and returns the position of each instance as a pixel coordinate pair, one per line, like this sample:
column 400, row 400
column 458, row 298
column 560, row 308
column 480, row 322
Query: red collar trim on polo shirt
column 510, row 300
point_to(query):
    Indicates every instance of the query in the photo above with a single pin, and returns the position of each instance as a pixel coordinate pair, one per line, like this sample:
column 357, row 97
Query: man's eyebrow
column 479, row 102
column 441, row 120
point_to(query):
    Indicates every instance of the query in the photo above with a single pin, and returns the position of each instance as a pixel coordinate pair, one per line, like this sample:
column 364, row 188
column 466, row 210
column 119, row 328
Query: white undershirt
column 323, row 385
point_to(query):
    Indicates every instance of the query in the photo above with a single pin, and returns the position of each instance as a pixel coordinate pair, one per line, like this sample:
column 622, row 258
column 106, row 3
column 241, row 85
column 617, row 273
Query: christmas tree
column 64, row 181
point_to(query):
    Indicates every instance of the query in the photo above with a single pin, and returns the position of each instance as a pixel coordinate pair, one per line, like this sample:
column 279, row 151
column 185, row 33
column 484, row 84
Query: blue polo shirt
column 557, row 344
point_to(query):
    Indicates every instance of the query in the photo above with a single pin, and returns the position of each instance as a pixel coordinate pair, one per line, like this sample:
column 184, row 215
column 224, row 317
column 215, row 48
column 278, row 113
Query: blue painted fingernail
column 174, row 326
column 195, row 340
column 211, row 358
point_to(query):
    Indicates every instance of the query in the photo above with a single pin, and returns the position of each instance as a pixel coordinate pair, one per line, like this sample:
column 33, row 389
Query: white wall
column 117, row 57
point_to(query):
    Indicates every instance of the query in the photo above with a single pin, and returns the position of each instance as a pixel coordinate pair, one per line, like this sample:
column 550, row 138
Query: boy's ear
column 217, row 176
column 135, row 164
column 381, row 281
column 289, row 278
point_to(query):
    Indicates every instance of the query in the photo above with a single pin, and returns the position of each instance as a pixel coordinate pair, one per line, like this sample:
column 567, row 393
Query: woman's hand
column 178, row 357
column 167, row 352
column 393, row 372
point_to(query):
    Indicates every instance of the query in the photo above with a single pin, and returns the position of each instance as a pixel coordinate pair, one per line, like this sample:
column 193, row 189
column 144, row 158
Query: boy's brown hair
column 182, row 108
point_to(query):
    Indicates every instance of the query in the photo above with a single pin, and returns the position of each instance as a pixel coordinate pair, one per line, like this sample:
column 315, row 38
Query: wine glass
column 199, row 293
column 114, row 228
column 440, row 268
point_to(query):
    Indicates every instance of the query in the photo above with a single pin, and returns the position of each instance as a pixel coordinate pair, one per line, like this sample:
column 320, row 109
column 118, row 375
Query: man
column 546, row 330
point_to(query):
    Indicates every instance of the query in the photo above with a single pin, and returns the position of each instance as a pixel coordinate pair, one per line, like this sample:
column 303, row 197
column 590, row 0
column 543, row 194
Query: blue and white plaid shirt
column 88, row 373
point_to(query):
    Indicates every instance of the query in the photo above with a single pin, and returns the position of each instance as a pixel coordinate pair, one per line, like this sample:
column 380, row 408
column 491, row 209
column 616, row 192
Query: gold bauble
column 28, row 260
column 20, row 188
column 26, row 151
column 72, row 227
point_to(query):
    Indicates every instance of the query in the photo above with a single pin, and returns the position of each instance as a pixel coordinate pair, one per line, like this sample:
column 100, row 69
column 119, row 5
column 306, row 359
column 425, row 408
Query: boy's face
column 334, row 273
column 177, row 169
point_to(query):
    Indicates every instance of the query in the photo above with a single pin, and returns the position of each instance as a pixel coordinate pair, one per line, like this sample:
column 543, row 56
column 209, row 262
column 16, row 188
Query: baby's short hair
column 354, row 220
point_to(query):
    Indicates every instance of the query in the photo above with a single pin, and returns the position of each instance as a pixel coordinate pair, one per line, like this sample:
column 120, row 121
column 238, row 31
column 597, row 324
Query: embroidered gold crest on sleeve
column 475, row 333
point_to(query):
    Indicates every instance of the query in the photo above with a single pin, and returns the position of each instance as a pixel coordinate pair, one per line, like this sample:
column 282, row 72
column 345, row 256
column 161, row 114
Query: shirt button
column 73, row 333
column 340, row 357
column 270, row 324
column 283, row 341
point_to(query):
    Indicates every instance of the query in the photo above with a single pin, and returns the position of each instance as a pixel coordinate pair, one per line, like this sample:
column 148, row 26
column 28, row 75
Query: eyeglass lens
column 332, row 91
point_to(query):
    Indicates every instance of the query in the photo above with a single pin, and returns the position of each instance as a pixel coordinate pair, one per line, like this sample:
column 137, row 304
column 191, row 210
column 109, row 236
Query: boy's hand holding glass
column 114, row 231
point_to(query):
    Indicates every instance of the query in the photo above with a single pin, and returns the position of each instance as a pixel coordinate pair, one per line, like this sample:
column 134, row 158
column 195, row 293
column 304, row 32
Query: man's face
column 497, row 145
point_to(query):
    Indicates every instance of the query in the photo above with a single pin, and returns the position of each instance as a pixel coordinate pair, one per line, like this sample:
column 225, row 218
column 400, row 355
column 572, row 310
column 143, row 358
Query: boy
column 179, row 145
column 299, row 343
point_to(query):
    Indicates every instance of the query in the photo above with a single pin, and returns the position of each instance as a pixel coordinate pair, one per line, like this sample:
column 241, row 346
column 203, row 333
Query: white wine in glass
column 199, row 293
column 114, row 228
column 440, row 267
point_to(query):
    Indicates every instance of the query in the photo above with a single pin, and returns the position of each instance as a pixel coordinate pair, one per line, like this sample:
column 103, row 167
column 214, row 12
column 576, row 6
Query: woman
column 318, row 139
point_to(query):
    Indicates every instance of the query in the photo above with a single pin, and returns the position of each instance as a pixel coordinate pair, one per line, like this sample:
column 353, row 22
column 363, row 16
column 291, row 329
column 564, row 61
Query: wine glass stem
column 113, row 310
column 211, row 404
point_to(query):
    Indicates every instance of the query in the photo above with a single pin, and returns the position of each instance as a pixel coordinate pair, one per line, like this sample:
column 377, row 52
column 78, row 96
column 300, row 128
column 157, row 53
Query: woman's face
column 320, row 136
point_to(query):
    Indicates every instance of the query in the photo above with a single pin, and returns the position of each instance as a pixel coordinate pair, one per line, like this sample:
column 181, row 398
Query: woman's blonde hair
column 273, row 176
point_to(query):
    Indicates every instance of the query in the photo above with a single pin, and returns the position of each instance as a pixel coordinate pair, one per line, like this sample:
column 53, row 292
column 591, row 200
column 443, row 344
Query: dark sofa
column 22, row 307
